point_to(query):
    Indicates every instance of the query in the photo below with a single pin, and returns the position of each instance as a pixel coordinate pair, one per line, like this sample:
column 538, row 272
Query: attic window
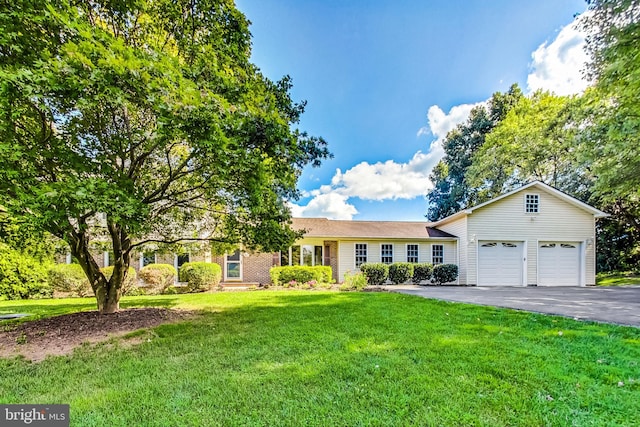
column 531, row 203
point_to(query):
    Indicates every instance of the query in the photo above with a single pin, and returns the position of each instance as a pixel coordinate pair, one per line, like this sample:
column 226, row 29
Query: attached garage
column 500, row 263
column 559, row 264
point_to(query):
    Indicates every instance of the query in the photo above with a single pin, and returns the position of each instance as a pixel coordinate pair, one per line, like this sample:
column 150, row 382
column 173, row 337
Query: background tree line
column 585, row 145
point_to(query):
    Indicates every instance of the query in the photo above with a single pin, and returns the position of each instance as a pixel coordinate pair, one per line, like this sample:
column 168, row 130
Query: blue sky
column 385, row 80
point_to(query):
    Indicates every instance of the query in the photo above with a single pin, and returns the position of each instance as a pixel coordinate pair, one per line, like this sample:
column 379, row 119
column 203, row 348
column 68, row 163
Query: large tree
column 134, row 120
column 451, row 192
column 611, row 131
column 535, row 141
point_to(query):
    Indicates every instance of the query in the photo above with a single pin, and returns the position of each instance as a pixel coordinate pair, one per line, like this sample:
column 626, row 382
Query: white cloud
column 557, row 66
column 329, row 205
column 384, row 180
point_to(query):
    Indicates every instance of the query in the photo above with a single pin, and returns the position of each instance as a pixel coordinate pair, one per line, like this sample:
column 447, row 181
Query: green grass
column 618, row 278
column 327, row 358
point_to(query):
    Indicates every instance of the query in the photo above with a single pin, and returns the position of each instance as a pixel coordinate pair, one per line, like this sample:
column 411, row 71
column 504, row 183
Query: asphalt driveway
column 615, row 304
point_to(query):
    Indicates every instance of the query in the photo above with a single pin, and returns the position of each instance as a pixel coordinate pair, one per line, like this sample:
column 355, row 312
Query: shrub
column 376, row 273
column 444, row 273
column 130, row 280
column 70, row 278
column 421, row 272
column 400, row 272
column 157, row 277
column 22, row 276
column 353, row 282
column 200, row 276
column 283, row 276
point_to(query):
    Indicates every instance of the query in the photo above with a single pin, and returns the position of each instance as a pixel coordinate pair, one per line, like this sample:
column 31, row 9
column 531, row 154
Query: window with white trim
column 361, row 254
column 437, row 254
column 386, row 253
column 532, row 203
column 412, row 253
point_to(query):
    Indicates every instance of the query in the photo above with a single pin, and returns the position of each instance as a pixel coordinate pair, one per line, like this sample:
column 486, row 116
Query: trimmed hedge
column 300, row 274
column 421, row 272
column 444, row 273
column 201, row 276
column 70, row 278
column 157, row 277
column 130, row 280
column 375, row 272
column 400, row 272
column 22, row 276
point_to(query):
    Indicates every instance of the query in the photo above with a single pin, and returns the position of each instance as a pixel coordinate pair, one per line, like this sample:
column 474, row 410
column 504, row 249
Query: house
column 534, row 235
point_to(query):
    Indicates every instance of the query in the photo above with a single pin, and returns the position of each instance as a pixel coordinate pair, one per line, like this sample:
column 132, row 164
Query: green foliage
column 400, row 272
column 124, row 120
column 612, row 127
column 130, row 281
column 376, row 273
column 618, row 278
column 353, row 282
column 421, row 272
column 451, row 192
column 444, row 273
column 21, row 275
column 201, row 276
column 157, row 277
column 70, row 278
column 535, row 141
column 280, row 276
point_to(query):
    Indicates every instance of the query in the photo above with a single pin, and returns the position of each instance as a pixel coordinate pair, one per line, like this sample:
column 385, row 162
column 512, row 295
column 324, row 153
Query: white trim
column 239, row 261
column 68, row 258
column 355, row 254
column 105, row 259
column 437, row 244
column 406, row 251
column 537, row 212
column 392, row 252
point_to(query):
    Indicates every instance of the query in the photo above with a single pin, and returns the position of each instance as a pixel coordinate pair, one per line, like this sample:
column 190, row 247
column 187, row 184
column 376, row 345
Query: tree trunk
column 108, row 297
column 107, row 292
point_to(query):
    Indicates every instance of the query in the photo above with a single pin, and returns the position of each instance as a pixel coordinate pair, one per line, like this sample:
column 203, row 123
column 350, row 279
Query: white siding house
column 535, row 235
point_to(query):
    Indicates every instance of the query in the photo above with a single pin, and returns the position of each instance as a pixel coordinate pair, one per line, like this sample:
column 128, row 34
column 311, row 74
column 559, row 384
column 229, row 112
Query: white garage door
column 500, row 263
column 559, row 264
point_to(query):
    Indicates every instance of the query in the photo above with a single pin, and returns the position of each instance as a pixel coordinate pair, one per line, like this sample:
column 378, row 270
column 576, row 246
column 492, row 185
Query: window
column 307, row 255
column 148, row 258
column 531, row 203
column 437, row 254
column 386, row 253
column 412, row 253
column 361, row 254
column 317, row 255
column 233, row 265
column 182, row 259
column 295, row 255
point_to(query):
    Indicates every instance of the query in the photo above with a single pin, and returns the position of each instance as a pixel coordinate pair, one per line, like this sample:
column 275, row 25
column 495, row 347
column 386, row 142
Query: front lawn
column 327, row 358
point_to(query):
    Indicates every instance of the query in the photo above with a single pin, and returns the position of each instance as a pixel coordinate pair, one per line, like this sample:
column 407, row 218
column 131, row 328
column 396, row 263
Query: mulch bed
column 59, row 335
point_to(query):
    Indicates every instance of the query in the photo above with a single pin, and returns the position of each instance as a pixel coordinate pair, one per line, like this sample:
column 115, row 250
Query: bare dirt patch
column 59, row 335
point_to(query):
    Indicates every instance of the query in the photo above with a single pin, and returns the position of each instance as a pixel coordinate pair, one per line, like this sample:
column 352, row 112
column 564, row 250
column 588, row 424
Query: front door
column 233, row 267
